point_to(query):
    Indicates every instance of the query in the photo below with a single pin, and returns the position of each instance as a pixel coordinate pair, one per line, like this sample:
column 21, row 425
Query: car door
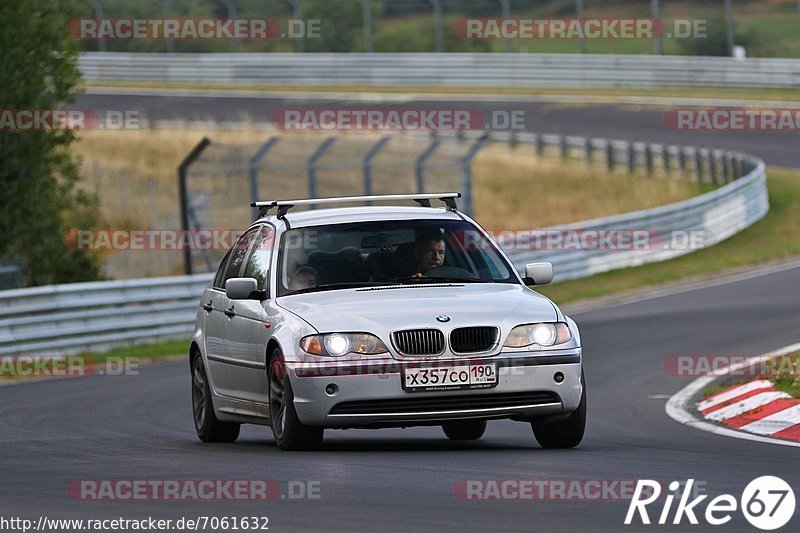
column 214, row 326
column 247, row 332
column 218, row 307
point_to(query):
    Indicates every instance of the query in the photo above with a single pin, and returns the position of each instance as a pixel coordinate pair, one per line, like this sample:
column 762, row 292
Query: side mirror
column 243, row 289
column 538, row 273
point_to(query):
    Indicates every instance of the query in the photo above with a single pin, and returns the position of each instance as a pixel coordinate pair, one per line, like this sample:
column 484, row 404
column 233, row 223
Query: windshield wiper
column 334, row 286
column 434, row 279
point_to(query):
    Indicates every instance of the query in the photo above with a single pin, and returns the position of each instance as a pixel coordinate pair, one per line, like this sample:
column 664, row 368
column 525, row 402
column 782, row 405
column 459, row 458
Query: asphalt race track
column 140, row 427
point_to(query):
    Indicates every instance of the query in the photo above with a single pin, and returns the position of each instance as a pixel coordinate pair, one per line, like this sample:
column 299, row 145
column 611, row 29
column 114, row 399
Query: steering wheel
column 450, row 272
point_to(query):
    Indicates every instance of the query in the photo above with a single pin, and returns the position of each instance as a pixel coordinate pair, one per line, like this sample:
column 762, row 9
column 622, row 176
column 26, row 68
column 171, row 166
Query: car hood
column 380, row 310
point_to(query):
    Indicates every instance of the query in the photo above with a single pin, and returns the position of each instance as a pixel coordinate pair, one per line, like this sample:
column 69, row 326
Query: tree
column 38, row 174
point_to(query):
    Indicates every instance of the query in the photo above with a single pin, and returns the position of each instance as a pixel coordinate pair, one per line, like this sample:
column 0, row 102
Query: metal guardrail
column 60, row 319
column 450, row 69
column 68, row 318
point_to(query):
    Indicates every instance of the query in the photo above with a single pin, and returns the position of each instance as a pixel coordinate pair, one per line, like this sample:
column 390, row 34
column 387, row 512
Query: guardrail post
column 609, row 155
column 183, row 191
column 726, row 167
column 466, row 172
column 587, row 151
column 419, row 165
column 312, row 167
column 698, row 164
column 648, row 158
column 683, row 163
column 631, row 158
column 665, row 160
column 252, row 169
column 563, row 149
column 539, row 145
column 366, row 164
column 738, row 167
column 713, row 166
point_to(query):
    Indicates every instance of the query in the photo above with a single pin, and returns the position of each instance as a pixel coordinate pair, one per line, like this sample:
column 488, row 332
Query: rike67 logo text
column 767, row 502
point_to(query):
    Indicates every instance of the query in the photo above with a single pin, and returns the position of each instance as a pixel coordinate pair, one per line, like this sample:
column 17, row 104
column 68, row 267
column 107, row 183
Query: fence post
column 665, row 159
column 366, row 163
column 252, row 169
column 466, row 172
column 312, row 167
column 419, row 165
column 183, row 191
column 609, row 155
column 648, row 158
column 539, row 145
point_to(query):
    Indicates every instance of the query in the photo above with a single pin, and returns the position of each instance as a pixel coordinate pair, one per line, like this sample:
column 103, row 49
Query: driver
column 305, row 277
column 429, row 251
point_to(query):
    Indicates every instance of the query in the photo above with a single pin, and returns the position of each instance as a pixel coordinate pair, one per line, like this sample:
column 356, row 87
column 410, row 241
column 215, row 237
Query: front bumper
column 369, row 392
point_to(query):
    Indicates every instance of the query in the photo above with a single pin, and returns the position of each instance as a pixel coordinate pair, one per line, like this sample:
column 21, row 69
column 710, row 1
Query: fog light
column 332, row 389
column 558, row 377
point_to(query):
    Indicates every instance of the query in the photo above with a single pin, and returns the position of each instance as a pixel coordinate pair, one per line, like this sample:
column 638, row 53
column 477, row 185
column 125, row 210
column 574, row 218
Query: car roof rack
column 449, row 199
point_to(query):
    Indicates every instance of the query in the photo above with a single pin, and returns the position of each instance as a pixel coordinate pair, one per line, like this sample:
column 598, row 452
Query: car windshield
column 388, row 252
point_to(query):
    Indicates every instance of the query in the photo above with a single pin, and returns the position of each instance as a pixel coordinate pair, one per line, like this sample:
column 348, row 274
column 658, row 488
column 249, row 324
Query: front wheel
column 289, row 432
column 566, row 433
column 464, row 429
column 208, row 427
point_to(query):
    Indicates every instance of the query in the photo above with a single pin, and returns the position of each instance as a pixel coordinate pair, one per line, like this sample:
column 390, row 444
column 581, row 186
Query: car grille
column 419, row 341
column 473, row 340
column 444, row 403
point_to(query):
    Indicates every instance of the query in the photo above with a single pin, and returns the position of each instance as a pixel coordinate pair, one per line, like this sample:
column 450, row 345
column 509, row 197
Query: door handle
column 208, row 307
column 229, row 312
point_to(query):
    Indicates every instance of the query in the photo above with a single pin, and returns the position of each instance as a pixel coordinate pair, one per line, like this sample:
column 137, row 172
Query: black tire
column 464, row 429
column 290, row 434
column 566, row 433
column 208, row 427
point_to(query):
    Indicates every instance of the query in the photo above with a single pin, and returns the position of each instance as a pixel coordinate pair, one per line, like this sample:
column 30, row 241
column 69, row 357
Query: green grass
column 774, row 237
column 788, row 381
column 779, row 94
column 151, row 352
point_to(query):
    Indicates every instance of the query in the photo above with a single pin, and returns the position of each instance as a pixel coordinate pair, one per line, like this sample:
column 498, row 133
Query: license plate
column 455, row 377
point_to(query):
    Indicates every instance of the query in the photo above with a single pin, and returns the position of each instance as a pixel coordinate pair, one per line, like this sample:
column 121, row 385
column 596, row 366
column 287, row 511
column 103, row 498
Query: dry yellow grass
column 134, row 174
column 515, row 190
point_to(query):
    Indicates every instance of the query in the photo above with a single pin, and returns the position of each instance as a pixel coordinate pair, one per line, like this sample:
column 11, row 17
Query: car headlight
column 339, row 344
column 543, row 334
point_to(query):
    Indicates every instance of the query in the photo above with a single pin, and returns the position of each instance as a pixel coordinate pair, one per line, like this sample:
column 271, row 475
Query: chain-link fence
column 222, row 180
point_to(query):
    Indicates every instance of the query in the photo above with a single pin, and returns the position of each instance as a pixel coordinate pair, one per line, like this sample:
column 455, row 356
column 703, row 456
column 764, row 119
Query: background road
column 615, row 121
column 138, row 427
